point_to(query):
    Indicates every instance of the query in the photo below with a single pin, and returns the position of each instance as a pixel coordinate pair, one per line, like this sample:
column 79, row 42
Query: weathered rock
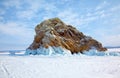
column 54, row 32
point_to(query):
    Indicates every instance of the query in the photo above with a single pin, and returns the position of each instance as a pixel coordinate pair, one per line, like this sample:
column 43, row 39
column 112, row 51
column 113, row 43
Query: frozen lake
column 75, row 66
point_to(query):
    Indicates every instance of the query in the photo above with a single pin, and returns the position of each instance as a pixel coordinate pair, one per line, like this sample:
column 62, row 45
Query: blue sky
column 97, row 18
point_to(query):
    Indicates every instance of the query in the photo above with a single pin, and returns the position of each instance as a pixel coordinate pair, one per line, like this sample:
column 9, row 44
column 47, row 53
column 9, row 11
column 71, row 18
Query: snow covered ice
column 87, row 65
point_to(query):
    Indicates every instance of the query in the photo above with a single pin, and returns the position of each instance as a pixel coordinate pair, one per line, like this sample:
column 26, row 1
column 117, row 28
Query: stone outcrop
column 54, row 32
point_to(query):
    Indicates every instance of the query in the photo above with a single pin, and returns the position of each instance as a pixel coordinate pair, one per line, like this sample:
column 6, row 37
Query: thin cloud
column 1, row 18
column 12, row 3
column 14, row 29
column 101, row 6
column 34, row 8
column 116, row 8
column 2, row 12
column 68, row 16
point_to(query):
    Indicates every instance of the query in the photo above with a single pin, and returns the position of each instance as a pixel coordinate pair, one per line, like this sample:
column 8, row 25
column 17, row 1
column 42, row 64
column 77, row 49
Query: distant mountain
column 112, row 46
column 54, row 33
column 11, row 50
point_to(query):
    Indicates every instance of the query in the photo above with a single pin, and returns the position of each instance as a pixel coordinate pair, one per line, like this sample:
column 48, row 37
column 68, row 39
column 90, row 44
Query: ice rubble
column 52, row 50
column 97, row 53
column 48, row 51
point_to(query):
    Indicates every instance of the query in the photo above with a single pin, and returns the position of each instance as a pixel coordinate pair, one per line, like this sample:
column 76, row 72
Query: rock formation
column 55, row 33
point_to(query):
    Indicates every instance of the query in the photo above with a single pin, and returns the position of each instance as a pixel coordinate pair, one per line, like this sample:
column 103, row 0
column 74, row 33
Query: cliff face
column 54, row 32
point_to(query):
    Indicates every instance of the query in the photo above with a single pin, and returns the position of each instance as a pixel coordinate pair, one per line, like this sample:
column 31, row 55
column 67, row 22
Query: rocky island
column 54, row 36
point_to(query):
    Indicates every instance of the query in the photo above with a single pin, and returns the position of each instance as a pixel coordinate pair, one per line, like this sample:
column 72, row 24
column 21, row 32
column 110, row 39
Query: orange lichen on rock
column 54, row 32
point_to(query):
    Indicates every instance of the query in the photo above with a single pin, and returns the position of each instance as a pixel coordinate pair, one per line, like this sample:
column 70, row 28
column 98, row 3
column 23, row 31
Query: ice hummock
column 52, row 50
column 98, row 53
column 48, row 51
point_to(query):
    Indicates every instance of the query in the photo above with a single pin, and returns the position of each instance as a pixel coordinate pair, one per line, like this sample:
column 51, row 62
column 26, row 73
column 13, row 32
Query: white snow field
column 88, row 65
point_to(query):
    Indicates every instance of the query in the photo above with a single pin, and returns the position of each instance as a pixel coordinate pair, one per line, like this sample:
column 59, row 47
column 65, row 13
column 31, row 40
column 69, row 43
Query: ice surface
column 59, row 67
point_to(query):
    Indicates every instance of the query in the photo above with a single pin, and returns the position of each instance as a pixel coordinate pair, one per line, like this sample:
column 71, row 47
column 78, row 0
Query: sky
column 99, row 19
